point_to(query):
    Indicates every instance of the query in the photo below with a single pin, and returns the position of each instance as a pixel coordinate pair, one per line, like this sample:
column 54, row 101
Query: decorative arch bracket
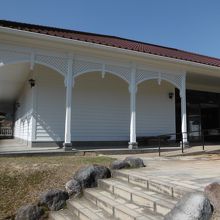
column 27, row 55
column 174, row 78
column 84, row 66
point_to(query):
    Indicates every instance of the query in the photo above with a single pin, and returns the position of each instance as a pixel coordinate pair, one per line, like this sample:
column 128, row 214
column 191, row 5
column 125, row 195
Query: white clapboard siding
column 155, row 111
column 50, row 105
column 100, row 108
column 23, row 119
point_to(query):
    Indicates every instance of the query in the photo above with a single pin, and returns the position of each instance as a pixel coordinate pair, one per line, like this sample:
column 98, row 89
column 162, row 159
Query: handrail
column 6, row 132
column 202, row 133
column 168, row 134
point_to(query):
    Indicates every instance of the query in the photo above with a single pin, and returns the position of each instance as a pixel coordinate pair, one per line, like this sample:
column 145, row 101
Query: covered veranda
column 56, row 88
column 70, row 68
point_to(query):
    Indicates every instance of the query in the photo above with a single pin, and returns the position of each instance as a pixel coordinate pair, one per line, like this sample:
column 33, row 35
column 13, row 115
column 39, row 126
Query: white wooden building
column 68, row 87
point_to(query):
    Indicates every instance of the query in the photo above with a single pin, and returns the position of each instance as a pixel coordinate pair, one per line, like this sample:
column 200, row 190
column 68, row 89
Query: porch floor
column 12, row 145
column 15, row 148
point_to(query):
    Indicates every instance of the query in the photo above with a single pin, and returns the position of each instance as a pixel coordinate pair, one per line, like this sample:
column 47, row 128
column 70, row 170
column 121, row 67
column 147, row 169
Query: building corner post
column 133, row 90
column 183, row 112
column 69, row 85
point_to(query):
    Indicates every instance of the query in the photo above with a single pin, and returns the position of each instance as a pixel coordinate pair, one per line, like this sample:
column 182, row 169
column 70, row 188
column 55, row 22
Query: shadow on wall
column 25, row 130
column 50, row 106
column 47, row 131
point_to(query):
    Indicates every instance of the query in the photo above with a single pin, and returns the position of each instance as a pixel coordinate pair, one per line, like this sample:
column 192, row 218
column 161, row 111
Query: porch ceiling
column 201, row 82
column 203, row 79
column 12, row 78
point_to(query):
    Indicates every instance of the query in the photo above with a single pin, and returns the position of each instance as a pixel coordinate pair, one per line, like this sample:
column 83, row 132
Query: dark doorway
column 178, row 114
column 210, row 117
column 203, row 112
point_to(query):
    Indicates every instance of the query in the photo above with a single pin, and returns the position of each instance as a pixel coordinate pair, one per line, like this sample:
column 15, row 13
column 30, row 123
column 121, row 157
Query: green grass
column 23, row 179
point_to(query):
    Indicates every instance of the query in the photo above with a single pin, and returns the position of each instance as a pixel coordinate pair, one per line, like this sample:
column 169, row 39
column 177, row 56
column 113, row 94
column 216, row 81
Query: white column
column 69, row 85
column 133, row 91
column 183, row 111
column 33, row 100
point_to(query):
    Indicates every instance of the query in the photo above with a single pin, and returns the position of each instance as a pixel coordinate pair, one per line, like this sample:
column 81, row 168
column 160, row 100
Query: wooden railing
column 6, row 132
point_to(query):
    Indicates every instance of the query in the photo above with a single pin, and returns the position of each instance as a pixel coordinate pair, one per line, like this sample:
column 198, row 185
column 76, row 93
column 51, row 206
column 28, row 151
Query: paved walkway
column 194, row 172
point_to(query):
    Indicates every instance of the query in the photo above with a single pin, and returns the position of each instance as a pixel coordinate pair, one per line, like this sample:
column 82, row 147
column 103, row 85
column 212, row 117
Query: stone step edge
column 173, row 182
column 58, row 215
column 115, row 206
column 172, row 190
column 79, row 210
column 126, row 187
column 156, row 203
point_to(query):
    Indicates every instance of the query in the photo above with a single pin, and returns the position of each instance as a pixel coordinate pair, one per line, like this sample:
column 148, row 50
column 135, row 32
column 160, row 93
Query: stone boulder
column 212, row 192
column 89, row 175
column 134, row 162
column 54, row 199
column 193, row 206
column 30, row 212
column 119, row 164
column 73, row 187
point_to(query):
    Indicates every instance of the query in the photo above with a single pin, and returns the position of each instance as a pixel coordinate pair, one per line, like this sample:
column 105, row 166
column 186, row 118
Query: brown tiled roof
column 113, row 41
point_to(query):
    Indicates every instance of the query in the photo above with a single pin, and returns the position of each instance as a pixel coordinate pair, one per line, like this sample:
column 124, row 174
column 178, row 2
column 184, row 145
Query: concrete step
column 162, row 187
column 140, row 196
column 64, row 214
column 86, row 210
column 119, row 208
column 131, row 194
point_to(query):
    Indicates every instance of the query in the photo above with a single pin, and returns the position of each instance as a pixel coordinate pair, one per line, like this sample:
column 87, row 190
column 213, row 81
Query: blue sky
column 192, row 25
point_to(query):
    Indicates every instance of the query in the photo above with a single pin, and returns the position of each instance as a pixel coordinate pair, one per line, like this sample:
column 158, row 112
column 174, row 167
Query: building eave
column 96, row 46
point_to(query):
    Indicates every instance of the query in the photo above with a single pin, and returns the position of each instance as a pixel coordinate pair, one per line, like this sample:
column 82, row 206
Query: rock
column 134, row 162
column 128, row 162
column 30, row 212
column 212, row 192
column 89, row 175
column 54, row 199
column 193, row 206
column 73, row 188
column 119, row 164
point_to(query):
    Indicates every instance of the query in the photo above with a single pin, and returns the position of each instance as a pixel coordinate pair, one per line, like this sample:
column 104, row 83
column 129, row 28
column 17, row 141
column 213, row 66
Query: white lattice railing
column 6, row 132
